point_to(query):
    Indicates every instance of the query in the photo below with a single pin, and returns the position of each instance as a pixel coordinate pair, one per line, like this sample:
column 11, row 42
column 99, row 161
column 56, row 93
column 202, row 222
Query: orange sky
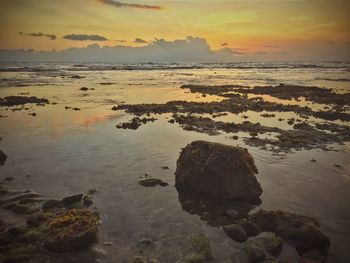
column 274, row 26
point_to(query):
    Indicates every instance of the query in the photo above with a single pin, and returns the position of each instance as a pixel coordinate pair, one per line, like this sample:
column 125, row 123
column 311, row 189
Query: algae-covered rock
column 201, row 245
column 301, row 231
column 221, row 171
column 268, row 242
column 149, row 181
column 72, row 229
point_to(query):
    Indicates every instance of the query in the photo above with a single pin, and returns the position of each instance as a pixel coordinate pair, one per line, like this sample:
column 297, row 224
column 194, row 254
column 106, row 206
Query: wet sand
column 112, row 160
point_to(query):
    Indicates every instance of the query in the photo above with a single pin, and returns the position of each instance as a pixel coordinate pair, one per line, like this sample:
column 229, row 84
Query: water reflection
column 213, row 212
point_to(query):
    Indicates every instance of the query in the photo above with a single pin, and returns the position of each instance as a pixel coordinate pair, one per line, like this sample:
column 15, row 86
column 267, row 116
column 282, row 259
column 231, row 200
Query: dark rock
column 220, row 171
column 236, row 232
column 300, row 231
column 84, row 89
column 87, row 201
column 70, row 200
column 52, row 204
column 3, row 158
column 9, row 178
column 165, row 167
column 250, row 228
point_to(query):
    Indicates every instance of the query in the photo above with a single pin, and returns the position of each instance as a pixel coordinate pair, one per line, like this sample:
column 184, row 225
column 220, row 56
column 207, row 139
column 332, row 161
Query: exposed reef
column 10, row 101
column 235, row 100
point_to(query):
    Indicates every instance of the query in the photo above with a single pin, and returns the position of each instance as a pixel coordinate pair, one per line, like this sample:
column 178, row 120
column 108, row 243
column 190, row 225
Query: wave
column 45, row 67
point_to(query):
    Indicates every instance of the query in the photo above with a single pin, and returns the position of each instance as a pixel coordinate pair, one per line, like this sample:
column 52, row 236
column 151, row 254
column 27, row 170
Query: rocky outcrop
column 220, row 171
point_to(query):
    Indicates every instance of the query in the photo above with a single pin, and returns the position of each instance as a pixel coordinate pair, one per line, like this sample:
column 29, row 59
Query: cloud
column 39, row 34
column 190, row 49
column 119, row 4
column 83, row 37
column 139, row 41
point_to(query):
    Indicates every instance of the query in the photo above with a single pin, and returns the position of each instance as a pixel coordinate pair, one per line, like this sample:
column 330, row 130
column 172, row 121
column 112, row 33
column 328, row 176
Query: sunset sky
column 306, row 29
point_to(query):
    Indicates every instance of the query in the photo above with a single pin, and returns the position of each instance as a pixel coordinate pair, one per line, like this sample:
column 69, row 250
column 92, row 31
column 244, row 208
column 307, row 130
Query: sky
column 237, row 30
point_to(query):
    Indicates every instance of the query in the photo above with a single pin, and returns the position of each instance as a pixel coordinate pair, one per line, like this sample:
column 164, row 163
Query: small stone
column 165, row 167
column 313, row 160
column 236, row 232
column 84, row 89
column 92, row 191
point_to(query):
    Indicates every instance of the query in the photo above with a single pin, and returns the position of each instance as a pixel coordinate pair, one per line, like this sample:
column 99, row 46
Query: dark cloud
column 122, row 4
column 39, row 34
column 83, row 37
column 140, row 41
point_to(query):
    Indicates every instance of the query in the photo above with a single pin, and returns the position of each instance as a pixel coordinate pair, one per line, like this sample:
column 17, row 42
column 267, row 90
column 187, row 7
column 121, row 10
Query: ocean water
column 68, row 152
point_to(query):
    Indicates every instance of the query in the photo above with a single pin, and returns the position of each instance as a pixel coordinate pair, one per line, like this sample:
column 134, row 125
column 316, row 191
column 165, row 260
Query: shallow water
column 68, row 152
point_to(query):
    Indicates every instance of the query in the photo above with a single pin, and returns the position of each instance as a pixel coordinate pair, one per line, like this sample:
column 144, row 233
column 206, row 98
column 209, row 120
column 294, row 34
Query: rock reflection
column 213, row 212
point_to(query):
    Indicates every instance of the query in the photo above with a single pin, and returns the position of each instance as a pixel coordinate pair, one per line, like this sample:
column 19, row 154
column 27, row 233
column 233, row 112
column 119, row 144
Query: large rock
column 220, row 171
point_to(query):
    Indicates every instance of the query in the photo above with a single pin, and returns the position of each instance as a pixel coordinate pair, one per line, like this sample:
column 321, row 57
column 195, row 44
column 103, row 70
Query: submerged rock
column 3, row 158
column 236, row 232
column 200, row 244
column 300, row 231
column 217, row 170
